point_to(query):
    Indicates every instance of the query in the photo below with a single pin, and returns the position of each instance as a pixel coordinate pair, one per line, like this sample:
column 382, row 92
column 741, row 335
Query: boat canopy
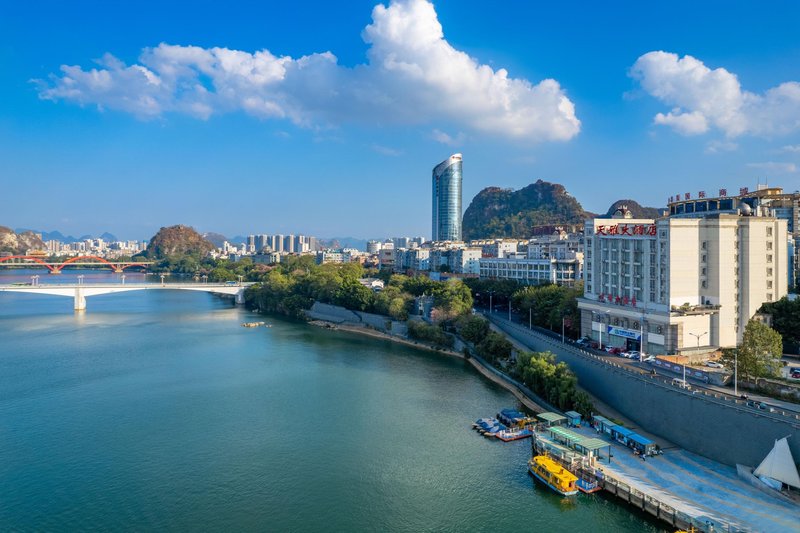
column 593, row 444
column 566, row 434
column 779, row 465
column 551, row 418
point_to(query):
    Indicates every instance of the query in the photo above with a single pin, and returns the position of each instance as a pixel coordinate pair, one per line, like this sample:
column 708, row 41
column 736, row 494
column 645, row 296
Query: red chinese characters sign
column 618, row 300
column 626, row 229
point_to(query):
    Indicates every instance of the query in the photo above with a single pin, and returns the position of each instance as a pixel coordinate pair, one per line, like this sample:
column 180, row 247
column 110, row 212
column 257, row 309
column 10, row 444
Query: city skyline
column 221, row 120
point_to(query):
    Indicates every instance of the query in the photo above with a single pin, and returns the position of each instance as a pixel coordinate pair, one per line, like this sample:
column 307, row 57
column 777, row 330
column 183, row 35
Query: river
column 157, row 410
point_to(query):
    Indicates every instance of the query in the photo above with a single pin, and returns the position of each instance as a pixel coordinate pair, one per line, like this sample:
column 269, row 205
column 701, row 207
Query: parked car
column 649, row 358
column 680, row 383
column 766, row 407
column 794, row 373
column 713, row 364
column 633, row 354
column 613, row 350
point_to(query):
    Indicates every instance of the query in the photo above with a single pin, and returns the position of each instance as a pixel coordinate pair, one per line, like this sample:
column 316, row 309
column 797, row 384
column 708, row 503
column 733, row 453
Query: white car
column 649, row 358
column 713, row 364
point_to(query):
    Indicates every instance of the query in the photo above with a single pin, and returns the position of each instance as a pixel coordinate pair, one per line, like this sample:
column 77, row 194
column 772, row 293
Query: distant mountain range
column 493, row 213
column 58, row 236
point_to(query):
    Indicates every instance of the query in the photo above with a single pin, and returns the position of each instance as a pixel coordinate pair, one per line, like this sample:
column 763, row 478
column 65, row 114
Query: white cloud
column 445, row 138
column 703, row 98
column 413, row 75
column 795, row 148
column 775, row 167
column 687, row 123
column 717, row 146
column 385, row 150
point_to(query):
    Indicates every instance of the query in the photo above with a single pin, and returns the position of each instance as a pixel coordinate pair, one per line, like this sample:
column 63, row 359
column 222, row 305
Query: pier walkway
column 710, row 493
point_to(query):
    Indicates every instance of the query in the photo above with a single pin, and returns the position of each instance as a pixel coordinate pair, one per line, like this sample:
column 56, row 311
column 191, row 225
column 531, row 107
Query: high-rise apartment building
column 447, row 200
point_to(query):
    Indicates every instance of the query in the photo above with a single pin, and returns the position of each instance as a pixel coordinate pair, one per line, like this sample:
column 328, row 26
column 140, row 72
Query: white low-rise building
column 533, row 271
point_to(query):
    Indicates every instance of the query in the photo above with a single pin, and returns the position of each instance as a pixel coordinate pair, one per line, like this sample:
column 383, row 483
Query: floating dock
column 682, row 489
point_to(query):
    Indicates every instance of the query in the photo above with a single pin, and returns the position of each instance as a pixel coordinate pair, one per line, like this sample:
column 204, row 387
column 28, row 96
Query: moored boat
column 507, row 435
column 553, row 475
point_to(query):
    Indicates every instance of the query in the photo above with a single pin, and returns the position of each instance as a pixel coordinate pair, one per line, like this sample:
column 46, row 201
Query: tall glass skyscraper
column 447, row 200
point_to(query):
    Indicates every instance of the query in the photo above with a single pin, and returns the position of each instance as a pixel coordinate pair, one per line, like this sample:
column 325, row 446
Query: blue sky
column 327, row 118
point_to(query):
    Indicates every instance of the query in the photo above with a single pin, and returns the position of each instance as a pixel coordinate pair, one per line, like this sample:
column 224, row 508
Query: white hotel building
column 680, row 285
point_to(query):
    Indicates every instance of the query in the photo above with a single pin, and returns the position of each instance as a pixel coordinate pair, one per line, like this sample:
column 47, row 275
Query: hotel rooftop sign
column 632, row 230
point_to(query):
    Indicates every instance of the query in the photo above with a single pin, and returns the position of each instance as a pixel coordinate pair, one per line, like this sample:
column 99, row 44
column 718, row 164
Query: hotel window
column 703, row 271
column 769, row 231
column 769, row 296
column 703, row 258
column 769, row 245
column 769, row 284
column 769, row 271
column 769, row 258
column 704, row 245
column 704, row 284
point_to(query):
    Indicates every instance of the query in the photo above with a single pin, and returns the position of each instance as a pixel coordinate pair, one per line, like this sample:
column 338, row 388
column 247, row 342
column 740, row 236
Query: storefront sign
column 619, row 300
column 622, row 332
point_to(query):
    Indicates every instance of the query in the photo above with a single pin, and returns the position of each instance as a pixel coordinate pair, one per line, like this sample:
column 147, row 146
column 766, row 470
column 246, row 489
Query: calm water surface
column 157, row 410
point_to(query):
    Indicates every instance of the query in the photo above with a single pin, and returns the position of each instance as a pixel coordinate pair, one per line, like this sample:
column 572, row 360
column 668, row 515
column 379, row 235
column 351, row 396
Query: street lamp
column 490, row 301
column 162, row 280
column 80, row 279
column 641, row 334
column 600, row 329
column 698, row 337
column 123, row 279
column 240, row 280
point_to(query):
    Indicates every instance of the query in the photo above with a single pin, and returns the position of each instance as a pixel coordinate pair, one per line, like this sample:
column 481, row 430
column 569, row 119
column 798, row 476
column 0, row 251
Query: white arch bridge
column 80, row 291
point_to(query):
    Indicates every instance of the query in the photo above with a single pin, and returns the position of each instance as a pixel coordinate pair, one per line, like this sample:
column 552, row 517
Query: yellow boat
column 553, row 475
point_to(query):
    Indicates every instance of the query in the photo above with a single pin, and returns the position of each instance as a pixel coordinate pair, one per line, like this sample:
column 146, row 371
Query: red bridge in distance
column 81, row 260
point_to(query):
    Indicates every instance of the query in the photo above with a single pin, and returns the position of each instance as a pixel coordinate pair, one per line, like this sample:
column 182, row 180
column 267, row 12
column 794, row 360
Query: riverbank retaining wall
column 339, row 315
column 712, row 425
